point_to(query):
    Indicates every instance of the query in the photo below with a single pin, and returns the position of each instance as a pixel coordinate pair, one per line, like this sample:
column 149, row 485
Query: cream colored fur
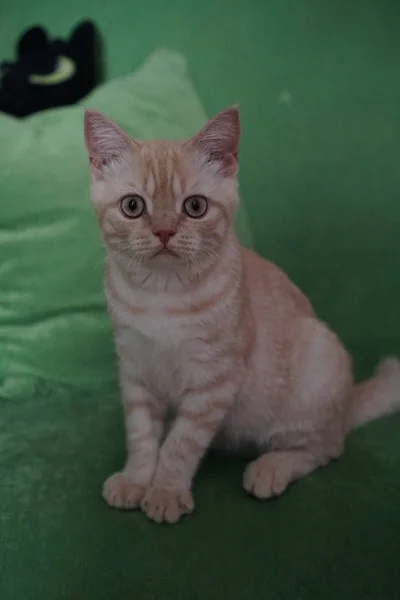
column 212, row 339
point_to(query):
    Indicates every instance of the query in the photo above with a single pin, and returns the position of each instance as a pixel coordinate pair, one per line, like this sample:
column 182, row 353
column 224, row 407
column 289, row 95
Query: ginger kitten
column 209, row 332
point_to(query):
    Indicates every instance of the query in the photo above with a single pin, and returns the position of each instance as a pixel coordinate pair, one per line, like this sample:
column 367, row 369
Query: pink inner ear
column 97, row 162
column 219, row 140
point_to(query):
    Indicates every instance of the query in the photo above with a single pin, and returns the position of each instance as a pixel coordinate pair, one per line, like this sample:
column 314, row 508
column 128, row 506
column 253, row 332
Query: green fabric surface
column 320, row 94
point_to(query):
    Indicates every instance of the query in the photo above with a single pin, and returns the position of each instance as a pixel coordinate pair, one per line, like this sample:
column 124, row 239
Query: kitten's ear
column 104, row 140
column 219, row 140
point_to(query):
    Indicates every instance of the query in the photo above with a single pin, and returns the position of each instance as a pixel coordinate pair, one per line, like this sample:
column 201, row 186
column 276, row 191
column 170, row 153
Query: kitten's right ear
column 104, row 140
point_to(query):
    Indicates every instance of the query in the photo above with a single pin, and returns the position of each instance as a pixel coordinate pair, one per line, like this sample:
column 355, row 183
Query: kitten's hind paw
column 121, row 492
column 270, row 474
column 167, row 506
column 263, row 479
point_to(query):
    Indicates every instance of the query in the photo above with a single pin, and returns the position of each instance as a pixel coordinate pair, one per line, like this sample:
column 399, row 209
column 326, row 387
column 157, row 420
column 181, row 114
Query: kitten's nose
column 164, row 235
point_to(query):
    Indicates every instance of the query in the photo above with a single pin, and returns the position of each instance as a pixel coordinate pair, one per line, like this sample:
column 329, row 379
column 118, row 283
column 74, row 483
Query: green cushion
column 53, row 324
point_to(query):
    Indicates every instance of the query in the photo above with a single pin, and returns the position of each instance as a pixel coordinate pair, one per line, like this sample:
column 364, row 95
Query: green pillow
column 53, row 324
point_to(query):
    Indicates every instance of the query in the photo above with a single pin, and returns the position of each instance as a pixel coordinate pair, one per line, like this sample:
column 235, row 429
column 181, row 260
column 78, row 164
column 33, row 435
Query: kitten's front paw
column 121, row 492
column 167, row 506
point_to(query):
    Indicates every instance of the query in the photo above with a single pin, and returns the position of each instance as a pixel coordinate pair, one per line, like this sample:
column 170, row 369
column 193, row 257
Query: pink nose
column 164, row 235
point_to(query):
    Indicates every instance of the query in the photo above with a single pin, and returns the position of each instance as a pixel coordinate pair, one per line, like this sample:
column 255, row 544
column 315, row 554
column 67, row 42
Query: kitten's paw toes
column 167, row 506
column 265, row 478
column 121, row 492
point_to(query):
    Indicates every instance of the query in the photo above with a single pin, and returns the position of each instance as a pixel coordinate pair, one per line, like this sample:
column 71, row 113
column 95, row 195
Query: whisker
column 194, row 262
column 138, row 264
column 178, row 277
column 108, row 254
column 146, row 278
column 208, row 249
column 167, row 280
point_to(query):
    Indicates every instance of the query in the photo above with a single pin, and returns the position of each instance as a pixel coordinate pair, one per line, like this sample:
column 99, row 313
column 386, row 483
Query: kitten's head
column 165, row 204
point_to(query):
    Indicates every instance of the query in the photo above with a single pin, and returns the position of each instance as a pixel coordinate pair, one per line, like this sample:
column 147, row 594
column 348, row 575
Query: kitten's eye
column 195, row 206
column 133, row 206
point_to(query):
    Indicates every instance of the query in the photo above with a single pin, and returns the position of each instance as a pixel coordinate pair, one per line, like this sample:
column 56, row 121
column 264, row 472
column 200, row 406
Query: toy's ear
column 33, row 40
column 83, row 35
column 84, row 44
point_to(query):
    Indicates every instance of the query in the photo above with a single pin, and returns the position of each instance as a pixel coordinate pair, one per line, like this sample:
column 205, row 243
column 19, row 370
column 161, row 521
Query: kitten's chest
column 168, row 335
column 149, row 315
column 160, row 339
column 159, row 354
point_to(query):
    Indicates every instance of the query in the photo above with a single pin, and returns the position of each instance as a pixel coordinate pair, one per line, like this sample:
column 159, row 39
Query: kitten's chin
column 165, row 258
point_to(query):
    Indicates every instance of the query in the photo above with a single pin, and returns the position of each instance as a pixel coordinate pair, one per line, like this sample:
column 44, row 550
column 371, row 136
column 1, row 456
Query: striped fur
column 215, row 345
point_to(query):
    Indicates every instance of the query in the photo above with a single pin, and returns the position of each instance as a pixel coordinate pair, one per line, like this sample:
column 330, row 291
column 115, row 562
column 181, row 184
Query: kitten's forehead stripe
column 163, row 171
column 150, row 185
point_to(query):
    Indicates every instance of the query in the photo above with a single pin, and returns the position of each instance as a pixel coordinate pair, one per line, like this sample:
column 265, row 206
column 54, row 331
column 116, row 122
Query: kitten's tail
column 377, row 396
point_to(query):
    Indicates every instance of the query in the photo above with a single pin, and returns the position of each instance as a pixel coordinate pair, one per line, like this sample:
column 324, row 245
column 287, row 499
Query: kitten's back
column 272, row 293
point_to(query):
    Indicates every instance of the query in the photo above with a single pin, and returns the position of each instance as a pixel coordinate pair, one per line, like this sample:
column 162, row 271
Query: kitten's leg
column 296, row 453
column 144, row 426
column 199, row 417
column 323, row 383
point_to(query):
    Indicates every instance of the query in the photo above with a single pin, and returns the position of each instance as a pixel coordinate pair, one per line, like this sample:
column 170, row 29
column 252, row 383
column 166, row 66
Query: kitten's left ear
column 219, row 141
column 104, row 140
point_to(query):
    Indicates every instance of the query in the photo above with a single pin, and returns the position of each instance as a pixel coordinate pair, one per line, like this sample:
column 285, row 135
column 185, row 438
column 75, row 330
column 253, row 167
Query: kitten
column 209, row 331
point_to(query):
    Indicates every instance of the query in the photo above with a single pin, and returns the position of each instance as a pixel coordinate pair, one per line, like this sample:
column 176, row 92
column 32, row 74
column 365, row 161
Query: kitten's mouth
column 165, row 252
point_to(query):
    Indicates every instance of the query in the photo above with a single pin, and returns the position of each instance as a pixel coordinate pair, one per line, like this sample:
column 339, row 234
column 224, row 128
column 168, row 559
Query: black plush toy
column 50, row 73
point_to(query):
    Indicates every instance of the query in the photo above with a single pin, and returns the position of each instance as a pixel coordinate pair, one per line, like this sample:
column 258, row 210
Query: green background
column 318, row 85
